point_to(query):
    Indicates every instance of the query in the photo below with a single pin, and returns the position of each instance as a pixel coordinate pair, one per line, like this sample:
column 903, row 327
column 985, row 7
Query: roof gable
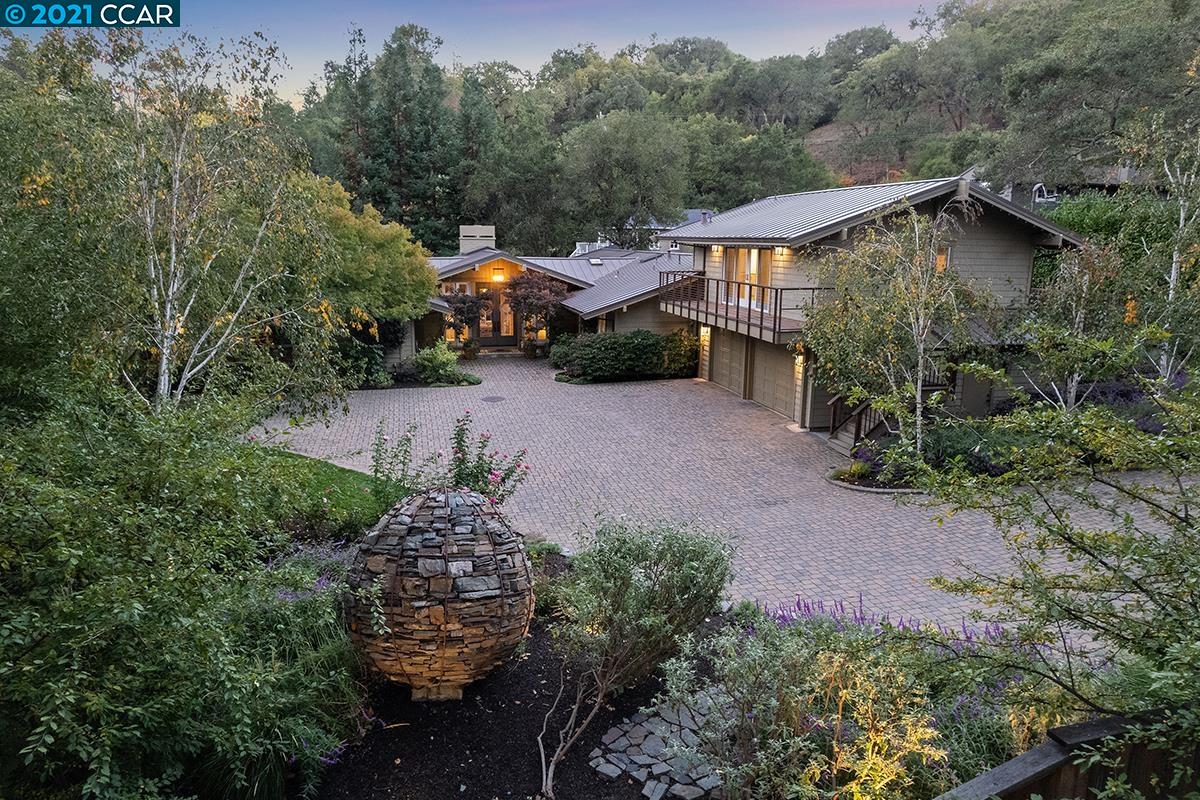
column 450, row 266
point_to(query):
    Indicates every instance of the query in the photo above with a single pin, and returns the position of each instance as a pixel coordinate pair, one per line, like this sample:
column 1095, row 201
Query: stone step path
column 646, row 748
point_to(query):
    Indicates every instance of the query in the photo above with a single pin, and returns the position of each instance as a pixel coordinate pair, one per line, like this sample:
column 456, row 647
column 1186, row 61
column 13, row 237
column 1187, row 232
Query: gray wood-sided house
column 744, row 280
column 754, row 280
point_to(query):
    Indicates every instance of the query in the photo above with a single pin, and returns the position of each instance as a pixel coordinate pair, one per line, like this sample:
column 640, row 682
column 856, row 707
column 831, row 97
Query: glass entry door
column 496, row 328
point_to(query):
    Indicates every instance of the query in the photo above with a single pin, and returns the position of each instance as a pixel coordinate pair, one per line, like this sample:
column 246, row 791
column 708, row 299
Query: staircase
column 850, row 425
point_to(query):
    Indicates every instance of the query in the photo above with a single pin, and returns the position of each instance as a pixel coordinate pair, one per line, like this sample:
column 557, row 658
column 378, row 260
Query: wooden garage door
column 773, row 377
column 728, row 366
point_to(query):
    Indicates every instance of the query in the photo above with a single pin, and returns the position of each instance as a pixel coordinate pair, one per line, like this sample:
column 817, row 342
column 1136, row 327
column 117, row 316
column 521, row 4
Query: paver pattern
column 684, row 450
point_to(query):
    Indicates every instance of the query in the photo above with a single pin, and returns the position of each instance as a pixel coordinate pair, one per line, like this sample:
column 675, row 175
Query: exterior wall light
column 498, row 274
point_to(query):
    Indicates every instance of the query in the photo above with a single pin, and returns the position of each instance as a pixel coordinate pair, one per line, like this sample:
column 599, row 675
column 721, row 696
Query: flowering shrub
column 474, row 463
column 393, row 475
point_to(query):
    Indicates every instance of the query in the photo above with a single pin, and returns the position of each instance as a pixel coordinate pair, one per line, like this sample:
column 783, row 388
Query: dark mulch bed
column 483, row 747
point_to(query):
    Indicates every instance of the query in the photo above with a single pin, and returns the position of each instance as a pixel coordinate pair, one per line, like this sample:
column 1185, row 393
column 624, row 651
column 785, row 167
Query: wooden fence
column 1049, row 770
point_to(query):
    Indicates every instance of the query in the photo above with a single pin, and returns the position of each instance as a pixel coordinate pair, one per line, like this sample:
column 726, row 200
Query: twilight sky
column 525, row 32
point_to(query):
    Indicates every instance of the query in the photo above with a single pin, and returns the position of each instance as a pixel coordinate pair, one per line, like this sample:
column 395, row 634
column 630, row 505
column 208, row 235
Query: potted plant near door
column 536, row 298
column 465, row 312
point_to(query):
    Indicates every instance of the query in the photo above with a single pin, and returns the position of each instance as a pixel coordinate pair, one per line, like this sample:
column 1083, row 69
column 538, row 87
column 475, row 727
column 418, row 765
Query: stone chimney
column 475, row 237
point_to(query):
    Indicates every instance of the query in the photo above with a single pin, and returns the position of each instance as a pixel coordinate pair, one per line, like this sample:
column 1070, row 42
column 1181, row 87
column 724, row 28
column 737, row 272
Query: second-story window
column 748, row 266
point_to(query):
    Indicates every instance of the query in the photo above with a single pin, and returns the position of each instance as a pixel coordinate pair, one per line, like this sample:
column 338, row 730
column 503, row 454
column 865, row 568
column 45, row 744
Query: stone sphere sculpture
column 441, row 592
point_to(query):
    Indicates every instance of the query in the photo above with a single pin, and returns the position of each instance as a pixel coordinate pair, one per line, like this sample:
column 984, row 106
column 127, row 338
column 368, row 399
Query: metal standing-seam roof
column 632, row 282
column 580, row 269
column 796, row 219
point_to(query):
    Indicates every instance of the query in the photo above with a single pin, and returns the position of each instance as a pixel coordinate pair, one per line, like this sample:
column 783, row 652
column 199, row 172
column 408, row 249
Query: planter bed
column 868, row 485
column 468, row 379
column 482, row 747
column 563, row 377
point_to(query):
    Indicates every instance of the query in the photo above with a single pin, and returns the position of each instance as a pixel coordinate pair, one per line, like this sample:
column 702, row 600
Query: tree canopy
column 1026, row 90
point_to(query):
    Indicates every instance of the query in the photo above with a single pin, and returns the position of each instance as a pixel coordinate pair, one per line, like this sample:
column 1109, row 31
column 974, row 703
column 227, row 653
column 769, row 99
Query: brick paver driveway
column 684, row 449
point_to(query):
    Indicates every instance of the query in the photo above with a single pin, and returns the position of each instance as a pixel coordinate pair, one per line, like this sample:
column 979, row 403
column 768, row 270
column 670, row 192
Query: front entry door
column 496, row 328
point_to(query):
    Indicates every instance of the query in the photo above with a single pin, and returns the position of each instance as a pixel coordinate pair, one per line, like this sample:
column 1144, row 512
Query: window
column 943, row 260
column 506, row 316
column 487, row 323
column 745, row 265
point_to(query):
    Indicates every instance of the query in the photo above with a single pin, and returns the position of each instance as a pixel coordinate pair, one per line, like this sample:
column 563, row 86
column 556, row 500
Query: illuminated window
column 943, row 260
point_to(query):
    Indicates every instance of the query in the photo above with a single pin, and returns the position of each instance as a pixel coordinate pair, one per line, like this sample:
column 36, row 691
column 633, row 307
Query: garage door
column 728, row 366
column 773, row 377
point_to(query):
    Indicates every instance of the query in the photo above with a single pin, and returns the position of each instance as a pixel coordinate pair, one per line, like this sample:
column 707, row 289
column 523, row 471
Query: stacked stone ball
column 441, row 593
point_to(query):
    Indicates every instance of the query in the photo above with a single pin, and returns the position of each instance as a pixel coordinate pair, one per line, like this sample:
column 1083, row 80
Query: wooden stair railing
column 865, row 418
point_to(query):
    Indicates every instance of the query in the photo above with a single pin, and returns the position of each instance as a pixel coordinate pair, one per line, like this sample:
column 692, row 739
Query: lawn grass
column 341, row 502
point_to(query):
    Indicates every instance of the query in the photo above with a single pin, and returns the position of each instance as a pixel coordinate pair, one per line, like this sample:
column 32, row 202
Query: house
column 611, row 289
column 754, row 281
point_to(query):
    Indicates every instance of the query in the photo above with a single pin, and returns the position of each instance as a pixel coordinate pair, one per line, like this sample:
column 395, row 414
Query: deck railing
column 1054, row 770
column 765, row 311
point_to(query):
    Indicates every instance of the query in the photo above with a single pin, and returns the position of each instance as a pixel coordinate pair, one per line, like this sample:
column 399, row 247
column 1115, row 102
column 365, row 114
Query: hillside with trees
column 1028, row 90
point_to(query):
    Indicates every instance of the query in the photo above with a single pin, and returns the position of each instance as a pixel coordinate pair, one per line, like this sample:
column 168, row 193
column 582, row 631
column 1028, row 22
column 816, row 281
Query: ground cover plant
column 812, row 701
column 615, row 356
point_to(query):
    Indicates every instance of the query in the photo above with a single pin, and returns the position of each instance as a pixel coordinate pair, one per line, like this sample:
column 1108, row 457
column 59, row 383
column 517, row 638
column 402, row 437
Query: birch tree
column 897, row 312
column 211, row 202
column 1080, row 332
column 1169, row 155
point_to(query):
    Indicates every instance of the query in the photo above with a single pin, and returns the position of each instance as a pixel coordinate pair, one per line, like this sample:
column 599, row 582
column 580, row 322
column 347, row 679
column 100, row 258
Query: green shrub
column 561, row 350
column 636, row 592
column 613, row 356
column 857, row 471
column 545, row 582
column 156, row 627
column 438, row 364
column 681, row 354
column 979, row 445
column 628, row 603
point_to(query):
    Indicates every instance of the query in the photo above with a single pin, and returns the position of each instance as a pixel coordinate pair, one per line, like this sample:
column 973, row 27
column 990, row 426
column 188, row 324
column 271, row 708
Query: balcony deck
column 771, row 313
